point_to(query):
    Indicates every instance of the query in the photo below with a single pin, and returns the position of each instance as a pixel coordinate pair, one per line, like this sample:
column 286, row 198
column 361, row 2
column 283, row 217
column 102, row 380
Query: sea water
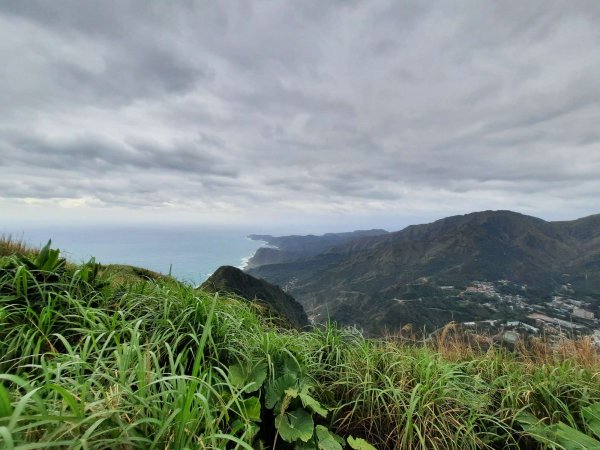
column 191, row 254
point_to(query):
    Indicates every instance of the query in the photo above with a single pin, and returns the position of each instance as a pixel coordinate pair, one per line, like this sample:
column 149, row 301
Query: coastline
column 246, row 259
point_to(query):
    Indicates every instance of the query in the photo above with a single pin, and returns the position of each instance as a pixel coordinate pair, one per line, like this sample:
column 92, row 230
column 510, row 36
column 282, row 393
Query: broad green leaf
column 294, row 425
column 276, row 390
column 572, row 439
column 237, row 376
column 257, row 376
column 359, row 444
column 527, row 419
column 326, row 439
column 340, row 440
column 310, row 445
column 289, row 365
column 560, row 433
column 536, row 428
column 252, row 379
column 591, row 414
column 252, row 408
column 309, row 402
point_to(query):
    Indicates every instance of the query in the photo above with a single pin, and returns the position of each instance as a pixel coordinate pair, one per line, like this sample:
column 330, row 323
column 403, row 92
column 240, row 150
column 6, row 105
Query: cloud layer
column 280, row 110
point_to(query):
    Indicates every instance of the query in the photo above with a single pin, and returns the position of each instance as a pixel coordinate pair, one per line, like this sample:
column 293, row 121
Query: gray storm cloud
column 285, row 107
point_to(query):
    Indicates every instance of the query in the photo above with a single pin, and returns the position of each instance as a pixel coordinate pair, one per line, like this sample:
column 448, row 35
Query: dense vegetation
column 96, row 357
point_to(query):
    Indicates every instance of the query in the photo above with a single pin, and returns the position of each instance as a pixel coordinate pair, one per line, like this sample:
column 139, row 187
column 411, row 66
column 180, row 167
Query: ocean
column 192, row 254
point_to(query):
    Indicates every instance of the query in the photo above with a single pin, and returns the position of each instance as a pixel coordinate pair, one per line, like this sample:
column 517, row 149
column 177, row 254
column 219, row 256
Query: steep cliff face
column 360, row 280
column 232, row 280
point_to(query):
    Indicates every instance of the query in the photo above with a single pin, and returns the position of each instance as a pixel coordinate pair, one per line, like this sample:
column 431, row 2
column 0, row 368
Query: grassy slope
column 105, row 360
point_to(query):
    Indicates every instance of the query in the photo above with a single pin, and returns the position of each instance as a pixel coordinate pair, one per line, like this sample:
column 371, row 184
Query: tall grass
column 10, row 245
column 117, row 362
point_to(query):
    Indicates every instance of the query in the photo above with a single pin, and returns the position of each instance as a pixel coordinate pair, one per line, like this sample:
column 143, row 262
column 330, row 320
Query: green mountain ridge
column 231, row 280
column 288, row 248
column 360, row 281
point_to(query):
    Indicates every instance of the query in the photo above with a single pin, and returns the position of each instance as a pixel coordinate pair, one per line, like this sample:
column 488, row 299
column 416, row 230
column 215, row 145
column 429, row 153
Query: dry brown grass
column 580, row 350
column 456, row 345
column 10, row 245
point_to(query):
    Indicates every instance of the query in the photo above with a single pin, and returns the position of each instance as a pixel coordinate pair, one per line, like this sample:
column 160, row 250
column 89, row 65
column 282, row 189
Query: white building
column 583, row 313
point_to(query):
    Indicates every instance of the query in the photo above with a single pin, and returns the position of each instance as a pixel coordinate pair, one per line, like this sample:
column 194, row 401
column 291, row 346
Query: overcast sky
column 315, row 114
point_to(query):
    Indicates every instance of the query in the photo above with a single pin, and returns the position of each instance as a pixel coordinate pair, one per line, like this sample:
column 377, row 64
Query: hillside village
column 563, row 316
